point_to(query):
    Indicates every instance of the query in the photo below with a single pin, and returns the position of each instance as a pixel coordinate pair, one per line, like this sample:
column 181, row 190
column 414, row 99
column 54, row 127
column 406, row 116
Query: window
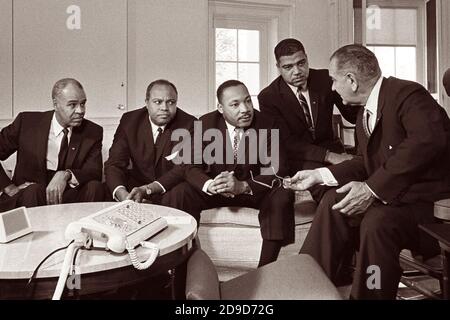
column 393, row 30
column 238, row 57
column 241, row 41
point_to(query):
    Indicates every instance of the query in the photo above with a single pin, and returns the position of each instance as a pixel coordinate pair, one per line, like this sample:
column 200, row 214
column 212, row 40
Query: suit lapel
column 74, row 145
column 41, row 133
column 380, row 107
column 292, row 105
column 314, row 101
column 165, row 137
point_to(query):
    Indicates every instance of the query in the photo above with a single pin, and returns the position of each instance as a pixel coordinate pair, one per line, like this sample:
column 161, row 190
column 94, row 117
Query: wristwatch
column 148, row 190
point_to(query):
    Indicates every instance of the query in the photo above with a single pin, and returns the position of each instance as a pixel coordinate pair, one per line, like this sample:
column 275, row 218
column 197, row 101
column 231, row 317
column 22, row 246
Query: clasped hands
column 227, row 185
column 356, row 201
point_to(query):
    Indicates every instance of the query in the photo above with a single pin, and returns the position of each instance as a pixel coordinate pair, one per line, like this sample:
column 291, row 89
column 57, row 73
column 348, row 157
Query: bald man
column 59, row 157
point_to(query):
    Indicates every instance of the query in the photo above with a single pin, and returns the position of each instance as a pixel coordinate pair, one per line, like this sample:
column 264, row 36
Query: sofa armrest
column 202, row 281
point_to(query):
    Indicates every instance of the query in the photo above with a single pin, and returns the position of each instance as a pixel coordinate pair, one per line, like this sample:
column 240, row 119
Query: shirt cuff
column 206, row 186
column 115, row 190
column 73, row 182
column 327, row 177
column 374, row 194
column 164, row 189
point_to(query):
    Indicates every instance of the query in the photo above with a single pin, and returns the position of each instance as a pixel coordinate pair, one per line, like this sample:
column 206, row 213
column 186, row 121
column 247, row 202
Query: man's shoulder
column 319, row 78
column 272, row 89
column 182, row 119
column 400, row 89
column 92, row 128
column 262, row 121
column 211, row 119
column 134, row 114
column 35, row 115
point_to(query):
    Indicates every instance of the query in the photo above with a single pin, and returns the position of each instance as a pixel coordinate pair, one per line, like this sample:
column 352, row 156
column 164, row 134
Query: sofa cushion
column 304, row 207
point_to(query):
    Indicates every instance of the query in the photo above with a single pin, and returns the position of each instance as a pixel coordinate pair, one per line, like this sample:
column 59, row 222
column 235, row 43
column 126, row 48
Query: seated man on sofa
column 59, row 157
column 143, row 138
column 382, row 195
column 239, row 180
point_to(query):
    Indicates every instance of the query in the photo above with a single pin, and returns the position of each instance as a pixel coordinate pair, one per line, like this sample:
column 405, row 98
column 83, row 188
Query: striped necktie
column 305, row 107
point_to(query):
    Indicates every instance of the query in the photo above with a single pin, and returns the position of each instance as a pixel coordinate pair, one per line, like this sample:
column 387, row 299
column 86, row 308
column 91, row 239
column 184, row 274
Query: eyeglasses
column 276, row 183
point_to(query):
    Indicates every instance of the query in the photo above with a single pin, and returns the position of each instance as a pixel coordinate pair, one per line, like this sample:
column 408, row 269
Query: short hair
column 161, row 82
column 225, row 85
column 288, row 47
column 61, row 84
column 359, row 60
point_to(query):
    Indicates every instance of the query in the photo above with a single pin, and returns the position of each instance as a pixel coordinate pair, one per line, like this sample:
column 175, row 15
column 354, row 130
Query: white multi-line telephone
column 117, row 228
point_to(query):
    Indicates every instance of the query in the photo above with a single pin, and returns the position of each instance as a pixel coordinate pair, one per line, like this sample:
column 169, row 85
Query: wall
column 312, row 28
column 169, row 39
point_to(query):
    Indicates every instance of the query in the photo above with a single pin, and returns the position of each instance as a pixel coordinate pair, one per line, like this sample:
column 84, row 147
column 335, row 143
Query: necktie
column 305, row 107
column 366, row 122
column 236, row 143
column 158, row 137
column 63, row 150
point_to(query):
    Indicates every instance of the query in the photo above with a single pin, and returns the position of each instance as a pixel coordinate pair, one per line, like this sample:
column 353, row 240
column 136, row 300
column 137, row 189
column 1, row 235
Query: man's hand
column 358, row 199
column 336, row 158
column 137, row 194
column 303, row 180
column 227, row 185
column 121, row 194
column 56, row 187
column 12, row 189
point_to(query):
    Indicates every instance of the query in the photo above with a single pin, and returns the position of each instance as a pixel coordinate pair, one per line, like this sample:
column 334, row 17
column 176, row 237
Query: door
column 80, row 39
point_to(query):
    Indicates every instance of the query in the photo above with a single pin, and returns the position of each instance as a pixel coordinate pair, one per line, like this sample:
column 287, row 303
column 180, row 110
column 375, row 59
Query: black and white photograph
column 258, row 151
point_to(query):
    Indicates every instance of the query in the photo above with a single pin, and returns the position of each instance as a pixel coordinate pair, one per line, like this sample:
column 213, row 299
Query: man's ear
column 353, row 81
column 54, row 103
column 220, row 107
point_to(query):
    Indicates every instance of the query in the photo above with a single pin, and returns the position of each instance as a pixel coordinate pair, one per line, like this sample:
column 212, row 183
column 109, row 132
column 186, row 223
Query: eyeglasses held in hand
column 276, row 183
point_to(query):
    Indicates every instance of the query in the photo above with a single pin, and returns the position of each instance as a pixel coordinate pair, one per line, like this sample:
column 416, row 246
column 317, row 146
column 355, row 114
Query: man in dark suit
column 301, row 101
column 389, row 188
column 143, row 138
column 59, row 157
column 230, row 176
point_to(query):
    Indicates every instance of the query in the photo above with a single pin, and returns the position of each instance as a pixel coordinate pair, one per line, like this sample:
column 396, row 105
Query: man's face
column 236, row 106
column 294, row 69
column 162, row 104
column 342, row 84
column 70, row 106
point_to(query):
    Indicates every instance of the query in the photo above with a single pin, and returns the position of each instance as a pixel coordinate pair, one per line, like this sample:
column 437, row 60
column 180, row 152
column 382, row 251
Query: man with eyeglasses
column 238, row 181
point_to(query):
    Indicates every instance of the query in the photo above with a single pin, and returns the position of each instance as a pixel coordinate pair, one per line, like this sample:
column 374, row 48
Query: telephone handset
column 120, row 227
column 123, row 225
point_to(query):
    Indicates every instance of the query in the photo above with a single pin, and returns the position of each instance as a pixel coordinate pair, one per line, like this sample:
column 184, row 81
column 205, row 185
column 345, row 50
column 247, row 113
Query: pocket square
column 390, row 147
column 172, row 156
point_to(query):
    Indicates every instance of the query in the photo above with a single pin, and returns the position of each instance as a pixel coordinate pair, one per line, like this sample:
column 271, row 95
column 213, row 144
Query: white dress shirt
column 371, row 105
column 54, row 144
column 231, row 133
column 155, row 135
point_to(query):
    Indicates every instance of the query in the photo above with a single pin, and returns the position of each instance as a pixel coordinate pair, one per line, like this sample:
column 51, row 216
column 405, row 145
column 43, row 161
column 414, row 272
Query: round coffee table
column 99, row 270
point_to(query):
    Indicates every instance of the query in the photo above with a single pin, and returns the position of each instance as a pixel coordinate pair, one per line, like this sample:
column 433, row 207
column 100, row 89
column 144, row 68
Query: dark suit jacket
column 198, row 174
column 279, row 102
column 28, row 135
column 133, row 143
column 407, row 157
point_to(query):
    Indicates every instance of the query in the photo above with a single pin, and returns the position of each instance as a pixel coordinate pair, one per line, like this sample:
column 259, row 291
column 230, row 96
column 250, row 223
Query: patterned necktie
column 366, row 122
column 64, row 147
column 305, row 107
column 236, row 143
